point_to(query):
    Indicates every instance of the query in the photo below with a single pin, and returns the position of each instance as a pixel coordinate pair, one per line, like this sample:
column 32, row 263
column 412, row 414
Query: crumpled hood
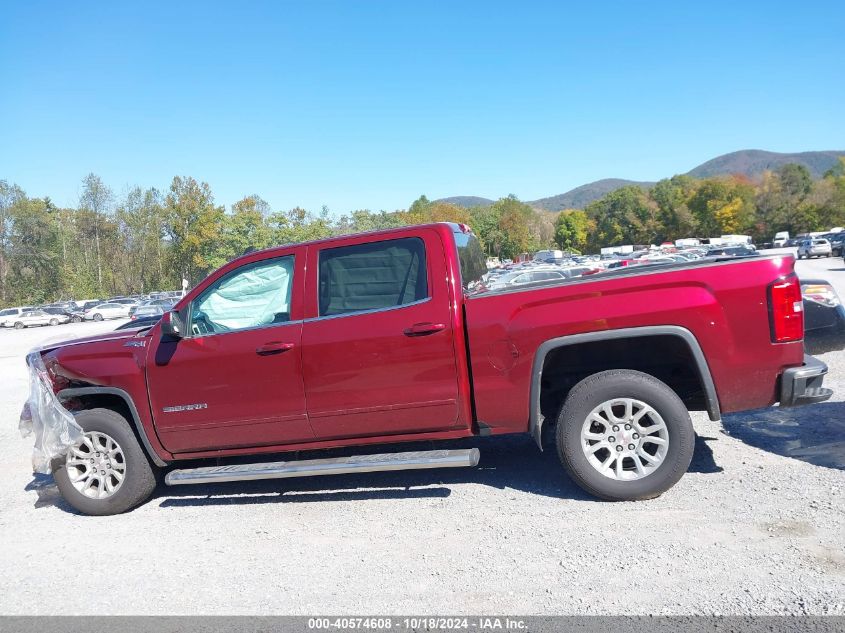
column 96, row 338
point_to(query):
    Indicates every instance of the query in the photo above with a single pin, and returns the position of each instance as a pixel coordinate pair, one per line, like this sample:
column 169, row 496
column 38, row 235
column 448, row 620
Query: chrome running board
column 416, row 460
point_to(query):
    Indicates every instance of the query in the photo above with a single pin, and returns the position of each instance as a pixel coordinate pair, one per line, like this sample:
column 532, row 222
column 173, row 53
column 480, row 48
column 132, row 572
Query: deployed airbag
column 252, row 297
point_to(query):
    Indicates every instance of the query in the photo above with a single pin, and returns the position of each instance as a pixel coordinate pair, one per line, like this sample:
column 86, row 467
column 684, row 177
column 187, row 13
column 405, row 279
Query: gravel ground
column 756, row 527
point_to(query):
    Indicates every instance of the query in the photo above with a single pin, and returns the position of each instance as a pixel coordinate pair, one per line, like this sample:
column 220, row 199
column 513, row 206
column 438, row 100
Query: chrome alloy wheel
column 624, row 439
column 97, row 466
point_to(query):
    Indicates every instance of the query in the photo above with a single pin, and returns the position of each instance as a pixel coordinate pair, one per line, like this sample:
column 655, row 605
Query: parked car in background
column 837, row 240
column 129, row 301
column 164, row 301
column 736, row 251
column 521, row 277
column 139, row 323
column 8, row 313
column 107, row 311
column 87, row 305
column 816, row 247
column 164, row 304
column 578, row 271
column 33, row 318
column 621, row 263
column 74, row 316
column 144, row 311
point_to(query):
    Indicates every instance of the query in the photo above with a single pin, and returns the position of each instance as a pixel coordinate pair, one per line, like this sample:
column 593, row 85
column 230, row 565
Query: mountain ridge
column 747, row 162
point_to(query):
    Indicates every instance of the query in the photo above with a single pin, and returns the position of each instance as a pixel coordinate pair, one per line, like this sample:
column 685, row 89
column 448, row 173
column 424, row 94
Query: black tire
column 140, row 477
column 623, row 383
column 19, row 325
column 54, row 321
column 98, row 317
column 76, row 319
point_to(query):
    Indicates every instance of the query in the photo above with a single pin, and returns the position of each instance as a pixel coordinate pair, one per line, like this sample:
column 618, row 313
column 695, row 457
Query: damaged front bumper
column 44, row 416
column 803, row 385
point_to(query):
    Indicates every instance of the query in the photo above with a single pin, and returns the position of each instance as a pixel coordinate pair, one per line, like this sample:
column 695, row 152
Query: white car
column 33, row 318
column 8, row 313
column 108, row 311
column 525, row 277
column 816, row 247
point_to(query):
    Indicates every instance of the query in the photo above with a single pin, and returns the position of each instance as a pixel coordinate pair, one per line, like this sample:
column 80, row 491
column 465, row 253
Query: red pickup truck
column 390, row 337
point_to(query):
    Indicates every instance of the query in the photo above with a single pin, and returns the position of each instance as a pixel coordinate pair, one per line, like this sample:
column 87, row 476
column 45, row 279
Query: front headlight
column 820, row 293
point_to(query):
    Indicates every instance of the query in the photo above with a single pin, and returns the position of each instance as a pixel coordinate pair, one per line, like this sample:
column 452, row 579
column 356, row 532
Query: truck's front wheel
column 624, row 435
column 108, row 473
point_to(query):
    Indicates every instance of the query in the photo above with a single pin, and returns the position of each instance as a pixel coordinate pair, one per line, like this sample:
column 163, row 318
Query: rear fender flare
column 535, row 420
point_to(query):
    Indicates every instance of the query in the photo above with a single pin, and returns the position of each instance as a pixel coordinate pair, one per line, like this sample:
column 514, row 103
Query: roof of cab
column 451, row 227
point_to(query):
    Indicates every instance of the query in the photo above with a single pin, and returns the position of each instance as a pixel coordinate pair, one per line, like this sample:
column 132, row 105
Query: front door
column 379, row 355
column 236, row 378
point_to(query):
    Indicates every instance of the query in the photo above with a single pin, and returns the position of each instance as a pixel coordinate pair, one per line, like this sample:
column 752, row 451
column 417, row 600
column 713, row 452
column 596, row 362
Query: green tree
column 623, row 216
column 247, row 228
column 722, row 205
column 34, row 251
column 298, row 225
column 514, row 219
column 194, row 226
column 484, row 222
column 96, row 199
column 795, row 179
column 140, row 215
column 672, row 196
column 10, row 195
column 782, row 201
column 572, row 229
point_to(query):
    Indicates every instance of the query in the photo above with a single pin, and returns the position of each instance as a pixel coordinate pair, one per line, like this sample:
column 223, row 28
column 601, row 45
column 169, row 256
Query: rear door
column 378, row 352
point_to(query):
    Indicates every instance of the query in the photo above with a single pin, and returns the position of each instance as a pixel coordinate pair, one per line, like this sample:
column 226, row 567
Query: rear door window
column 373, row 276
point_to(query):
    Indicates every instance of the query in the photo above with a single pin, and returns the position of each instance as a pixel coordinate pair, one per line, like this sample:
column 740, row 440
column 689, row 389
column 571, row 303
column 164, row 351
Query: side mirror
column 172, row 325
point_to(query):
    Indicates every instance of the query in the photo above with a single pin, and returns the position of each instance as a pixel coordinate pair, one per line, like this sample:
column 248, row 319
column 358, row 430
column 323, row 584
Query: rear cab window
column 372, row 276
column 473, row 262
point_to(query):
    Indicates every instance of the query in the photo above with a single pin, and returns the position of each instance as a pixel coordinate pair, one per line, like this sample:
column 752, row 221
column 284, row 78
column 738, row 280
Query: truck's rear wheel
column 624, row 435
column 108, row 473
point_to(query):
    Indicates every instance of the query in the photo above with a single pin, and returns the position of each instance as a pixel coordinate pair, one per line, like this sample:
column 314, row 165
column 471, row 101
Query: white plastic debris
column 54, row 427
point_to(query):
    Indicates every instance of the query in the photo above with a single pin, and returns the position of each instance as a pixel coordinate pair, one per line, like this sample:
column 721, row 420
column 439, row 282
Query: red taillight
column 786, row 310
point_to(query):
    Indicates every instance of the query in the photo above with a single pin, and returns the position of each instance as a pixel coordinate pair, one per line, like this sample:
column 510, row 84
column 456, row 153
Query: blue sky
column 370, row 104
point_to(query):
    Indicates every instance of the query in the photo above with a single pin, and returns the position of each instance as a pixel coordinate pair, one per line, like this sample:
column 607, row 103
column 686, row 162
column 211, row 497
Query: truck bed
column 721, row 302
